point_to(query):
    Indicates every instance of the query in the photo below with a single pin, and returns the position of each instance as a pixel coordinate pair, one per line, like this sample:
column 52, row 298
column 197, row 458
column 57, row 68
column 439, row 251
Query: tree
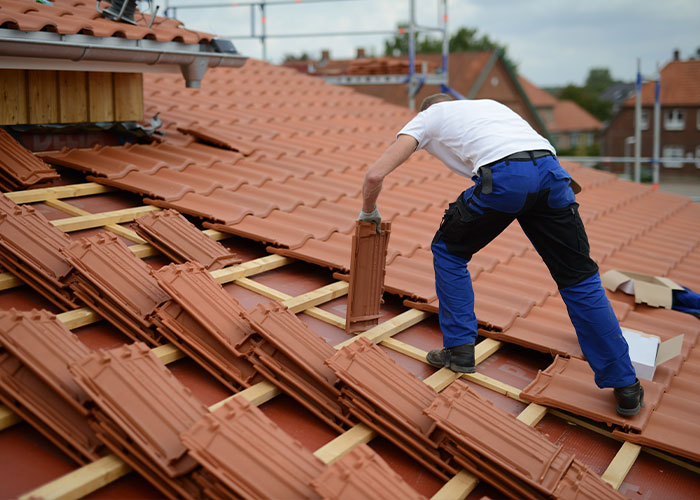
column 291, row 57
column 464, row 39
column 588, row 100
column 599, row 80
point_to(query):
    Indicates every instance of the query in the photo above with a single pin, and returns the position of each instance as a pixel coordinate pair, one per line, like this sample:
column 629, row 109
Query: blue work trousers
column 538, row 194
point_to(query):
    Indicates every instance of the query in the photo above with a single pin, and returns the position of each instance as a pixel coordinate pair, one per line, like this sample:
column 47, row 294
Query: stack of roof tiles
column 235, row 345
column 390, row 400
column 362, row 474
column 516, row 460
column 455, row 429
column 30, row 248
column 206, row 323
column 35, row 352
column 19, row 169
column 250, row 455
column 293, row 358
column 140, row 409
column 181, row 241
column 115, row 283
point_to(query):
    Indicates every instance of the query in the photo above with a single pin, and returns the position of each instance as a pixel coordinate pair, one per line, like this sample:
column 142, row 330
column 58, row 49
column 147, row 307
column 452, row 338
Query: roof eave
column 43, row 50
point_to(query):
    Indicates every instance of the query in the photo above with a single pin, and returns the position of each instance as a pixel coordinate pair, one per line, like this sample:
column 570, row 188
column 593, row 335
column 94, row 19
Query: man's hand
column 373, row 216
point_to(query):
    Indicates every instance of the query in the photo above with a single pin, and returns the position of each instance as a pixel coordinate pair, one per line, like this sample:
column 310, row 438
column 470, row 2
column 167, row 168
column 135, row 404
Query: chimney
column 325, row 55
column 361, row 53
column 676, row 55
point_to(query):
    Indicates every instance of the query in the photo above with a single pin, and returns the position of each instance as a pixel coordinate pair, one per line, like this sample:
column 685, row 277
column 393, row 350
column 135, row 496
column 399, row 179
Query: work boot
column 630, row 399
column 458, row 359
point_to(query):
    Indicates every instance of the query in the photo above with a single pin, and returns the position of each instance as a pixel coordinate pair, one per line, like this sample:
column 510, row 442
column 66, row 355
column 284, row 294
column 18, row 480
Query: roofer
column 516, row 176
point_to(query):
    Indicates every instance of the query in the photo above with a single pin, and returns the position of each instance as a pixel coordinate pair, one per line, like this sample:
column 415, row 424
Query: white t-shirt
column 467, row 134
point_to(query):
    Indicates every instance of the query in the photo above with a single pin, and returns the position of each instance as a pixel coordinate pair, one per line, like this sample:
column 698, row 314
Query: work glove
column 373, row 216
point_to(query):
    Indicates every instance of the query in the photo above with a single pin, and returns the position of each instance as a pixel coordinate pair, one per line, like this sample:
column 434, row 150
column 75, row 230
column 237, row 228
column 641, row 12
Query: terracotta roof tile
column 251, row 455
column 568, row 384
column 518, row 460
column 30, row 247
column 74, row 16
column 19, row 168
column 142, row 425
column 580, row 482
column 111, row 279
column 159, row 187
column 292, row 357
column 388, row 399
column 180, row 240
column 36, row 382
column 367, row 269
column 211, row 327
column 672, row 427
column 362, row 474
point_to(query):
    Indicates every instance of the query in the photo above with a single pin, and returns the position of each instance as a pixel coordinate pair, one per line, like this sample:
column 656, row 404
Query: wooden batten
column 44, row 97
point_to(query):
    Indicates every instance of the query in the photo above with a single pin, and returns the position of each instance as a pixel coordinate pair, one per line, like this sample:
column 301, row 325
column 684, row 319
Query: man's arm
column 394, row 156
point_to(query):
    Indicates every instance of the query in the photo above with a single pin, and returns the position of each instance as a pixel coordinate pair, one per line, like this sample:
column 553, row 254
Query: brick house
column 680, row 118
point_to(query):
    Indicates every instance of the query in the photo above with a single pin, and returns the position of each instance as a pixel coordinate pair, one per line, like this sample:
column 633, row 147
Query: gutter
column 139, row 55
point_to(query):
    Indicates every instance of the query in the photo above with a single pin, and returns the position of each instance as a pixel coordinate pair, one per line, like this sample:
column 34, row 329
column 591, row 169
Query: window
column 670, row 152
column 574, row 139
column 697, row 153
column 644, row 123
column 698, row 119
column 674, row 119
column 590, row 139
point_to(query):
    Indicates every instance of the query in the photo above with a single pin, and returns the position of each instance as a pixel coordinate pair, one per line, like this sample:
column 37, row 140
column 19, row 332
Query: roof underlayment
column 271, row 162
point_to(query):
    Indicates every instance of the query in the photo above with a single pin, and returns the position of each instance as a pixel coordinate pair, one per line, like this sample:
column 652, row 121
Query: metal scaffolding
column 414, row 80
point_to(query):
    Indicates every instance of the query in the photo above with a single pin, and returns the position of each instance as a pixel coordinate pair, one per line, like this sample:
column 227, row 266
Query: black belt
column 485, row 170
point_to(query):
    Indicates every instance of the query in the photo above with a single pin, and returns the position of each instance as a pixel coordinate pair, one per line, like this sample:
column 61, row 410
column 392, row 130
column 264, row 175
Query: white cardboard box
column 655, row 291
column 647, row 351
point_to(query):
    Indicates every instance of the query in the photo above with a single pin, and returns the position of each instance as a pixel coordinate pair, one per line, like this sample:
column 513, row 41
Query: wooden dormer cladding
column 47, row 97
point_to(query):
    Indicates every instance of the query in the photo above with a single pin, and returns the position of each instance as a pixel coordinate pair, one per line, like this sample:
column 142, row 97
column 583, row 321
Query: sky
column 553, row 42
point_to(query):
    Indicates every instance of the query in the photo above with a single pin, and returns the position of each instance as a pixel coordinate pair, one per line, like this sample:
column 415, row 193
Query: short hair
column 432, row 99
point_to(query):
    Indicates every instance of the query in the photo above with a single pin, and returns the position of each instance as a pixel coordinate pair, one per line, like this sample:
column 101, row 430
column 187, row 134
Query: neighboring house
column 679, row 123
column 571, row 127
column 475, row 75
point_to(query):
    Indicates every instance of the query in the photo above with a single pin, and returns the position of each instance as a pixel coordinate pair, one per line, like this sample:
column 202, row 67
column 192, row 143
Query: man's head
column 432, row 99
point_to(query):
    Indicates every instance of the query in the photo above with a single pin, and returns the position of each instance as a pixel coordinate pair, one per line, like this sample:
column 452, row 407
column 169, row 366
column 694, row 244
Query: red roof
column 69, row 17
column 570, row 117
column 286, row 169
column 538, row 97
column 680, row 85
